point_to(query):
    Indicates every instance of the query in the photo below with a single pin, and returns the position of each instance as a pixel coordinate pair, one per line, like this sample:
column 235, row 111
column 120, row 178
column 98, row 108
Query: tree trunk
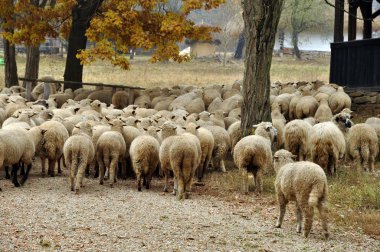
column 32, row 64
column 281, row 40
column 295, row 45
column 81, row 17
column 240, row 47
column 10, row 69
column 260, row 19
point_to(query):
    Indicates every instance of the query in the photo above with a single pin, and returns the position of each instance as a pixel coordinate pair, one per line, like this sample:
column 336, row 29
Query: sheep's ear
column 184, row 128
column 133, row 112
column 155, row 120
column 145, row 129
column 76, row 110
column 124, row 124
column 275, row 158
column 225, row 113
column 294, row 157
column 43, row 131
column 173, row 117
column 184, row 118
column 99, row 105
column 158, row 130
column 198, row 127
column 137, row 121
column 110, row 123
column 77, row 127
column 107, row 118
column 55, row 99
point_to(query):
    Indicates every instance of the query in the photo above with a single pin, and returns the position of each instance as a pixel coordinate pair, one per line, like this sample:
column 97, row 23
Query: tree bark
column 240, row 47
column 81, row 18
column 261, row 19
column 32, row 64
column 296, row 49
column 10, row 69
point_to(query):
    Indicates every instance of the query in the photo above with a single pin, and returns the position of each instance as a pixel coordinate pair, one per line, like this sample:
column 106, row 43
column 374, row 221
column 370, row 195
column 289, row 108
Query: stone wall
column 364, row 98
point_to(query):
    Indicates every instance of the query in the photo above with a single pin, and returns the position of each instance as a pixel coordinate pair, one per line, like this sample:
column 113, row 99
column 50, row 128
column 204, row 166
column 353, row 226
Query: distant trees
column 299, row 16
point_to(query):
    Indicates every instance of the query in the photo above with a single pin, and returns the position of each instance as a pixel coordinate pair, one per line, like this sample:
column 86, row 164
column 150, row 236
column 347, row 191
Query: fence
column 29, row 82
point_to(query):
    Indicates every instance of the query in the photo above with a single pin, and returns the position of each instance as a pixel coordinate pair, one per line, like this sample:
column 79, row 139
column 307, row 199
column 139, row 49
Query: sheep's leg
column 308, row 214
column 258, row 182
column 112, row 170
column 365, row 158
column 72, row 176
column 166, row 180
column 244, row 173
column 175, row 188
column 188, row 187
column 22, row 168
column 282, row 201
column 59, row 165
column 299, row 218
column 7, row 176
column 138, row 175
column 323, row 214
column 87, row 172
column 124, row 169
column 80, row 174
column 181, row 188
column 357, row 159
column 14, row 175
column 101, row 171
column 43, row 167
column 26, row 175
column 222, row 167
column 51, row 167
column 371, row 163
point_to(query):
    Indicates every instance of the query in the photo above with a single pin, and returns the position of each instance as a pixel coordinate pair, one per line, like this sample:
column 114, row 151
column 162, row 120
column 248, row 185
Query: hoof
column 77, row 191
column 187, row 195
column 327, row 235
column 139, row 189
column 278, row 226
column 72, row 189
column 111, row 185
column 43, row 175
column 7, row 176
column 166, row 189
column 17, row 184
column 101, row 182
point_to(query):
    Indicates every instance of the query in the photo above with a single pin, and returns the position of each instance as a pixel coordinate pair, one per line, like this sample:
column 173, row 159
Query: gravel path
column 45, row 216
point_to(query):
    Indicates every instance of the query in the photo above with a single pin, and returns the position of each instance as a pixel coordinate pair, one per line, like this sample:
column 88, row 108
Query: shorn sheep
column 144, row 153
column 254, row 154
column 363, row 146
column 327, row 142
column 306, row 184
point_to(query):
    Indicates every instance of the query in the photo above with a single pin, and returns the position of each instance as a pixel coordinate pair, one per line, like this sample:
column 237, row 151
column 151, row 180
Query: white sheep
column 363, row 146
column 254, row 154
column 296, row 135
column 235, row 133
column 339, row 100
column 323, row 113
column 306, row 184
column 327, row 143
column 222, row 144
column 79, row 152
column 144, row 153
column 306, row 107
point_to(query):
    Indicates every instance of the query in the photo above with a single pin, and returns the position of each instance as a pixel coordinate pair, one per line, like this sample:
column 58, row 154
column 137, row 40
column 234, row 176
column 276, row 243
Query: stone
column 355, row 94
column 362, row 99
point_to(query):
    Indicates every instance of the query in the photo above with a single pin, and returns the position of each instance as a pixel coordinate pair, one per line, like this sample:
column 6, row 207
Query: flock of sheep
column 185, row 130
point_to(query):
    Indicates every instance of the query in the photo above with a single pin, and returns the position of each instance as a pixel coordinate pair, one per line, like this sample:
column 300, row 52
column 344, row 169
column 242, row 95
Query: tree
column 261, row 18
column 122, row 25
column 299, row 16
column 29, row 22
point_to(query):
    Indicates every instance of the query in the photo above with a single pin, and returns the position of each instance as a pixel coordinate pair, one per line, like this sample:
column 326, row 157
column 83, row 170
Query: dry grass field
column 200, row 73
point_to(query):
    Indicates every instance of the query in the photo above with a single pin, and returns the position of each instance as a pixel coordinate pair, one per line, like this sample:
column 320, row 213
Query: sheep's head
column 281, row 158
column 83, row 128
column 192, row 128
column 169, row 128
column 266, row 130
column 343, row 121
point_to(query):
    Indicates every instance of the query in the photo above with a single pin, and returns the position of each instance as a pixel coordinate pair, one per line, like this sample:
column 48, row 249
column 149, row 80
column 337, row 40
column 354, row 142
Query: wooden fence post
column 46, row 91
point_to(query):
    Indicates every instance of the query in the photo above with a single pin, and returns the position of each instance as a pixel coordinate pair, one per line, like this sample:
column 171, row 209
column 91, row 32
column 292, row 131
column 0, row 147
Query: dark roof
column 193, row 41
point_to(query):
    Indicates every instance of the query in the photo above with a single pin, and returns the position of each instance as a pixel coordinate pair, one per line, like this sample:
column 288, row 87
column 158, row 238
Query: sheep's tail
column 318, row 192
column 339, row 107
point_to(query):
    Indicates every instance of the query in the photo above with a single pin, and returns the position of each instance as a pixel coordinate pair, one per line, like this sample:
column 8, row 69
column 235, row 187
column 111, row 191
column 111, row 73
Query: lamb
column 327, row 142
column 323, row 113
column 206, row 141
column 79, row 152
column 339, row 100
column 144, row 153
column 51, row 146
column 306, row 184
column 222, row 144
column 296, row 135
column 253, row 153
column 363, row 146
column 111, row 149
column 306, row 106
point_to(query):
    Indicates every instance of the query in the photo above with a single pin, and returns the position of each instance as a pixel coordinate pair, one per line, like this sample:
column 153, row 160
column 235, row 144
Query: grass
column 196, row 72
column 354, row 199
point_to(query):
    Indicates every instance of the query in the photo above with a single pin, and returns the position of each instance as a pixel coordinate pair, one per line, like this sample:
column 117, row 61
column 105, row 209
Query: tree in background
column 261, row 18
column 299, row 16
column 29, row 23
column 122, row 25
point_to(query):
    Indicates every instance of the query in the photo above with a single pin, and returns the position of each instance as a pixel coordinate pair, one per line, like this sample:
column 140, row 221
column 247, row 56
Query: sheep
column 209, row 94
column 283, row 100
column 253, row 153
column 375, row 123
column 305, row 183
column 206, row 141
column 51, row 146
column 327, row 142
column 363, row 146
column 129, row 134
column 18, row 145
column 181, row 101
column 278, row 121
column 143, row 101
column 293, row 104
column 195, row 106
column 296, row 135
column 79, row 152
column 339, row 100
column 144, row 153
column 306, row 106
column 215, row 105
column 217, row 118
column 164, row 103
column 101, row 95
column 327, row 89
column 184, row 154
column 222, row 144
column 120, row 99
column 110, row 149
column 235, row 133
column 231, row 103
column 61, row 98
column 323, row 113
